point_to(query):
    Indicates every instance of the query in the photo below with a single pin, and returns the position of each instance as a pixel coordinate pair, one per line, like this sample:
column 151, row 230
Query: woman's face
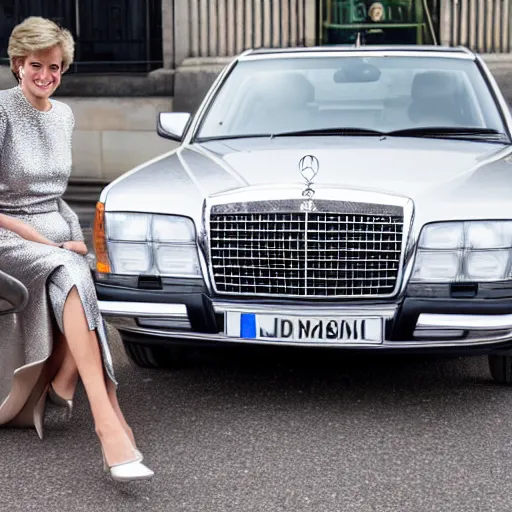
column 40, row 73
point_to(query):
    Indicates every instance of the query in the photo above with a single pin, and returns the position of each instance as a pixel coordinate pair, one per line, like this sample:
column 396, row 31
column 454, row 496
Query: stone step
column 84, row 191
column 82, row 196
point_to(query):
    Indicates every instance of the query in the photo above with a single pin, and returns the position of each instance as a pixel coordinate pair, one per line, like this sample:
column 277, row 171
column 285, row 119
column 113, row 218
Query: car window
column 270, row 96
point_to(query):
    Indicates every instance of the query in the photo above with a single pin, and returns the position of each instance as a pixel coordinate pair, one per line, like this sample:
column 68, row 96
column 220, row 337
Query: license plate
column 301, row 329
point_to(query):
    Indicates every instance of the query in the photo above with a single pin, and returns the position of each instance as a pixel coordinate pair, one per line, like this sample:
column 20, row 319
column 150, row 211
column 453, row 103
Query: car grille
column 306, row 254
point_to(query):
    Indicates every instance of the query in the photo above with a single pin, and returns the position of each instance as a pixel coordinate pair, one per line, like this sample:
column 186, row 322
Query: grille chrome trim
column 313, row 245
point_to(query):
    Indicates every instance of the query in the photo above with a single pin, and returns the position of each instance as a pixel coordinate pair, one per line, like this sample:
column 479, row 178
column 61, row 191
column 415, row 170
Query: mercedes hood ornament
column 308, row 168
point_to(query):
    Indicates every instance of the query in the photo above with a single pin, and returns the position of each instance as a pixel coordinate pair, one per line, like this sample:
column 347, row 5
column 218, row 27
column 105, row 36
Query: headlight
column 178, row 260
column 140, row 243
column 464, row 251
column 172, row 229
column 130, row 258
column 487, row 265
column 127, row 226
column 449, row 235
column 489, row 235
column 439, row 266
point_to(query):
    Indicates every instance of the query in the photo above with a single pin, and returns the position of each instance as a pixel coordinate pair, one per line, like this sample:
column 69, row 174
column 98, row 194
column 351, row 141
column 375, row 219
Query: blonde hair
column 35, row 34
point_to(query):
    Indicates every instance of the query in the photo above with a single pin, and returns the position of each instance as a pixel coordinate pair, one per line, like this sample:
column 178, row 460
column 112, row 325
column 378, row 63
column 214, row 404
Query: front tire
column 501, row 369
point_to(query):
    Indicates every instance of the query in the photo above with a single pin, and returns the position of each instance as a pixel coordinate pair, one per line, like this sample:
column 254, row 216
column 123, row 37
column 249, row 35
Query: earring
column 21, row 72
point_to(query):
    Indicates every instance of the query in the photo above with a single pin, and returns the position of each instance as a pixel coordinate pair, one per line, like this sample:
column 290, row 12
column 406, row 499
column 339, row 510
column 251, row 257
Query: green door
column 382, row 22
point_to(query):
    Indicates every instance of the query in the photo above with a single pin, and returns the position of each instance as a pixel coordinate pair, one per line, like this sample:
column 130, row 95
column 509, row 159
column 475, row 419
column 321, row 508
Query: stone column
column 181, row 30
column 311, row 7
column 168, row 33
column 445, row 19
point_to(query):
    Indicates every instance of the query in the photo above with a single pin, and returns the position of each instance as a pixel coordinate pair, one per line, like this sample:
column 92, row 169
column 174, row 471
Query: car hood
column 444, row 178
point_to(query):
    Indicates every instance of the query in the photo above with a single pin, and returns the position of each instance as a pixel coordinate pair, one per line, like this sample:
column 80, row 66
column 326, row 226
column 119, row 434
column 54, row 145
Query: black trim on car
column 484, row 291
column 411, row 308
column 192, row 295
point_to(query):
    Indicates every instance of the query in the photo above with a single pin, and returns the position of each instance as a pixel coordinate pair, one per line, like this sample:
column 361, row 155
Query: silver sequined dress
column 35, row 164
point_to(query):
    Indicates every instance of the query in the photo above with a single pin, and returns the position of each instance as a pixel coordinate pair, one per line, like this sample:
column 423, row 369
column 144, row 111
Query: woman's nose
column 45, row 73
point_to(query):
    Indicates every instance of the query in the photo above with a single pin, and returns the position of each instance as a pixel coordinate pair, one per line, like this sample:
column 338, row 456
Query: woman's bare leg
column 65, row 380
column 84, row 347
column 112, row 394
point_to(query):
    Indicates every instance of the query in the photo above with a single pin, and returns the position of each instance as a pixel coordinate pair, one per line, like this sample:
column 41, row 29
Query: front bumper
column 414, row 324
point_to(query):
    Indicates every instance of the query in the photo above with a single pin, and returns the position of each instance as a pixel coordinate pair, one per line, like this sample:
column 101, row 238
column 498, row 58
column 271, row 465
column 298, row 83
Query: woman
column 60, row 334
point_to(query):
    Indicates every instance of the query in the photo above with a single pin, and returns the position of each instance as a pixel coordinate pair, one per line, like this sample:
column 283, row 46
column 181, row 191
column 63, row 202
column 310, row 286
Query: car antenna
column 358, row 44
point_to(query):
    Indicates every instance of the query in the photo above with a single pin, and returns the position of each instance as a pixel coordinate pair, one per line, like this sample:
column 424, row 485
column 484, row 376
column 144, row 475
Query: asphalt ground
column 282, row 430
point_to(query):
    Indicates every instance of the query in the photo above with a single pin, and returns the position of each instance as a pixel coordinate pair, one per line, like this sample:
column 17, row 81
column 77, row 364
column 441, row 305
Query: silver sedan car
column 357, row 198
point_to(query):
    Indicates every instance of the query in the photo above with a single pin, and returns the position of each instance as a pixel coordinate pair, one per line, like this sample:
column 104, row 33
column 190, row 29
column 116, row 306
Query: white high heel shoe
column 128, row 471
column 56, row 399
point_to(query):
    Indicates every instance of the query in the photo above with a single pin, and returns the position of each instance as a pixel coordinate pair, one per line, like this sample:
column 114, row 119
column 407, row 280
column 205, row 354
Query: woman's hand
column 78, row 247
column 29, row 233
column 23, row 230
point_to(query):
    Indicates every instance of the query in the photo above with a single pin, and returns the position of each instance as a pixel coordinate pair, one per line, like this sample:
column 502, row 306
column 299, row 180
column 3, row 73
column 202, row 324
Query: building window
column 111, row 35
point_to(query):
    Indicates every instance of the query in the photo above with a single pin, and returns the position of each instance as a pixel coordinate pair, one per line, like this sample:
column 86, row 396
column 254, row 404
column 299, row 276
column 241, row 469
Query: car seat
column 13, row 295
column 434, row 100
column 285, row 103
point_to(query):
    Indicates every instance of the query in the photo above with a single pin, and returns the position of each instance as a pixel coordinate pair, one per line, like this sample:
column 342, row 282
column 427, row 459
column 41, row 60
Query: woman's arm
column 29, row 233
column 24, row 230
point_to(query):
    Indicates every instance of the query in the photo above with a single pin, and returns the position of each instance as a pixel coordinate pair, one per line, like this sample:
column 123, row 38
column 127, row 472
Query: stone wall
column 501, row 68
column 113, row 135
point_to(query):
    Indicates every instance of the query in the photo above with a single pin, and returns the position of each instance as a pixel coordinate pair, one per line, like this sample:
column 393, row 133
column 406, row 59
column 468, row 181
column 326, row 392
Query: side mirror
column 172, row 125
column 13, row 295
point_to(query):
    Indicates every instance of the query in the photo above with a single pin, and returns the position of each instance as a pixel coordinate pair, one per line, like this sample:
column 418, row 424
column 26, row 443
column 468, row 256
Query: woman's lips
column 46, row 85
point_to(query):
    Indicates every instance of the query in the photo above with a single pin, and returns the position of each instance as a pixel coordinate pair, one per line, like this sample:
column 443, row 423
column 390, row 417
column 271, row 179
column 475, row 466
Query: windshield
column 272, row 96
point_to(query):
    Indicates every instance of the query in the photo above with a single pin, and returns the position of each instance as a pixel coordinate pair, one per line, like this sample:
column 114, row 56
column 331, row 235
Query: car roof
column 404, row 50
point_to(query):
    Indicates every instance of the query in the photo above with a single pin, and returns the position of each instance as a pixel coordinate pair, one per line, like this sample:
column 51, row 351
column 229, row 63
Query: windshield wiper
column 449, row 132
column 426, row 132
column 329, row 131
column 228, row 137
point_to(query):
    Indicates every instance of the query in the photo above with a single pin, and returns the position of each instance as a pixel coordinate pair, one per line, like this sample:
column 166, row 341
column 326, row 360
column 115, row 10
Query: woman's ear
column 18, row 66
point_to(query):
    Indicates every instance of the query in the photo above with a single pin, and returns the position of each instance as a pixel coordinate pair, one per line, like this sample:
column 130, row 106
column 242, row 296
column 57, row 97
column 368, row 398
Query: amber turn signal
column 100, row 240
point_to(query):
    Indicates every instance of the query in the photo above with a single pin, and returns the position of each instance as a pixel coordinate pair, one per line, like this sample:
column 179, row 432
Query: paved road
column 271, row 431
column 265, row 431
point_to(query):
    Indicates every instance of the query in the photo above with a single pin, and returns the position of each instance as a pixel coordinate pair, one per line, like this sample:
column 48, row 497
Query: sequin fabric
column 35, row 164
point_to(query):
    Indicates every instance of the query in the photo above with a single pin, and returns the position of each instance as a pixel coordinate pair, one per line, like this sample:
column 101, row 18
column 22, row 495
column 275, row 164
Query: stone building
column 135, row 58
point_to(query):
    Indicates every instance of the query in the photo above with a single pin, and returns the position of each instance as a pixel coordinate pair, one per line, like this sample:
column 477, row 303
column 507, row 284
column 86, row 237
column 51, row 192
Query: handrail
column 370, row 26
